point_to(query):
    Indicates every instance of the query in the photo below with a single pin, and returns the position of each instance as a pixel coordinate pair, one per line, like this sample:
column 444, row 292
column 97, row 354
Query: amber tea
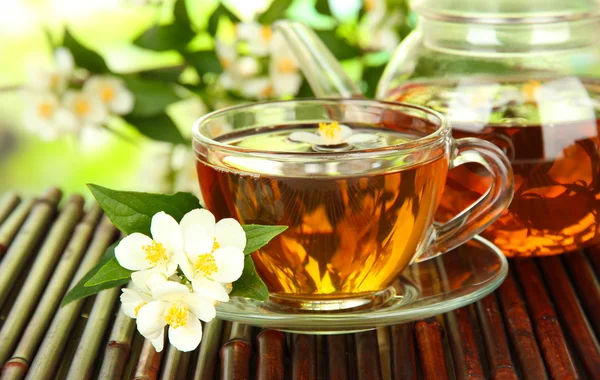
column 549, row 129
column 347, row 234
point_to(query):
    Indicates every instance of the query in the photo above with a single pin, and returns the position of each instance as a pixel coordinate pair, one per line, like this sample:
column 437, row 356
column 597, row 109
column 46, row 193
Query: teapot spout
column 322, row 71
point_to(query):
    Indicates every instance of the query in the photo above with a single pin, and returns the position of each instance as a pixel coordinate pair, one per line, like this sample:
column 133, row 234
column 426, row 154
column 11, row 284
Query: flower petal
column 129, row 252
column 197, row 241
column 186, row 266
column 186, row 338
column 361, row 138
column 166, row 230
column 64, row 60
column 202, row 307
column 169, row 290
column 123, row 103
column 229, row 231
column 132, row 299
column 159, row 342
column 230, row 264
column 306, row 137
column 199, row 217
column 210, row 289
column 148, row 279
column 345, row 133
column 287, row 83
column 151, row 319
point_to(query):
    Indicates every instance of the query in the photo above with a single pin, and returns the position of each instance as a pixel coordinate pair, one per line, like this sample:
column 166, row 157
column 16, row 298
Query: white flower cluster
column 243, row 63
column 54, row 108
column 180, row 274
column 377, row 28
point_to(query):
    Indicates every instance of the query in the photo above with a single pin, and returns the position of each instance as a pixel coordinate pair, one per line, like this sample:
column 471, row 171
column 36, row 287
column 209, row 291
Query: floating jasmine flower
column 214, row 253
column 174, row 305
column 332, row 134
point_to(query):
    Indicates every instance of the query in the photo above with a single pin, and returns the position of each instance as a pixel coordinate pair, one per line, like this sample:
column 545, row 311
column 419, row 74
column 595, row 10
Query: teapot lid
column 506, row 11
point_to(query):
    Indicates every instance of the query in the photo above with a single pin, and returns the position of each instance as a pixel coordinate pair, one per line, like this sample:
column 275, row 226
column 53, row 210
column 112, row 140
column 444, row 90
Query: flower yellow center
column 156, row 253
column 82, row 107
column 45, row 110
column 286, row 65
column 329, row 130
column 136, row 310
column 226, row 63
column 530, row 89
column 107, row 93
column 370, row 5
column 267, row 92
column 266, row 33
column 177, row 315
column 206, row 263
column 54, row 80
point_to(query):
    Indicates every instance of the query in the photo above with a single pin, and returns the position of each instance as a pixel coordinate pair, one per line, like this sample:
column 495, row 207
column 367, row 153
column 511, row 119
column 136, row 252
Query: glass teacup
column 356, row 181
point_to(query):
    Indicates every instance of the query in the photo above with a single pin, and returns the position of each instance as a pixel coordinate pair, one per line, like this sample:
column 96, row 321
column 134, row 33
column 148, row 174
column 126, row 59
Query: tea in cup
column 356, row 181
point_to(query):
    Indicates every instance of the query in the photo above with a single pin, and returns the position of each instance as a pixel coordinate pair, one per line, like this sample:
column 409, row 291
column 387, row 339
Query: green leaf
column 258, row 236
column 151, row 96
column 165, row 37
column 133, row 211
column 338, row 45
column 165, row 74
column 371, row 75
column 181, row 15
column 111, row 271
column 84, row 57
column 250, row 285
column 160, row 128
column 215, row 18
column 322, row 6
column 204, row 61
column 80, row 291
column 275, row 11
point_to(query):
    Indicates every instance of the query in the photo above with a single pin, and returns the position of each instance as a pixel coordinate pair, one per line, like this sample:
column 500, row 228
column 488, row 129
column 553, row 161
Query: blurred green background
column 28, row 164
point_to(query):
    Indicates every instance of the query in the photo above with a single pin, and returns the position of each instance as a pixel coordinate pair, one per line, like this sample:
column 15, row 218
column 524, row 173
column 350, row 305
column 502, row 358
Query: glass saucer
column 433, row 287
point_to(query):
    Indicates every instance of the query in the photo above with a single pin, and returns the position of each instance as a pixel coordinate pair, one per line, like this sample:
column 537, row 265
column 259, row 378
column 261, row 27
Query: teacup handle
column 486, row 209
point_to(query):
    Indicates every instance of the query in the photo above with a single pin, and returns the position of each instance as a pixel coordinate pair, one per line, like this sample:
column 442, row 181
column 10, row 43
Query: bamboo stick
column 237, row 353
column 520, row 330
column 429, row 336
column 574, row 320
column 304, row 361
column 494, row 339
column 467, row 363
column 588, row 286
column 209, row 348
column 26, row 241
column 38, row 275
column 367, row 354
column 553, row 344
column 404, row 361
column 11, row 225
column 271, row 348
column 385, row 357
column 87, row 350
column 7, row 204
column 54, row 290
column 46, row 359
column 171, row 364
column 183, row 370
column 136, row 350
column 118, row 348
column 337, row 357
column 148, row 364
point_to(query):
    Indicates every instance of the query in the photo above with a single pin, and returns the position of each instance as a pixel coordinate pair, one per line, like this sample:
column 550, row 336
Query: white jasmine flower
column 257, row 88
column 88, row 110
column 154, row 258
column 214, row 252
column 45, row 116
column 377, row 28
column 55, row 79
column 174, row 305
column 332, row 134
column 132, row 301
column 283, row 68
column 256, row 35
column 111, row 92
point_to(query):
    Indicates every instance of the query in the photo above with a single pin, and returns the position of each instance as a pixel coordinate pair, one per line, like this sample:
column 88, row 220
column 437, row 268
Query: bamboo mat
column 543, row 322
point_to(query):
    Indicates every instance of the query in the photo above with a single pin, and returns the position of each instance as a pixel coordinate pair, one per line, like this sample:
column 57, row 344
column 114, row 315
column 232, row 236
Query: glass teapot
column 522, row 74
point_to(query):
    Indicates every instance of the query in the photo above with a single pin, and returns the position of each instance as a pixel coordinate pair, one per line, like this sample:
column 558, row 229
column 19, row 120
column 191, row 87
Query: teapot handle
column 323, row 72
